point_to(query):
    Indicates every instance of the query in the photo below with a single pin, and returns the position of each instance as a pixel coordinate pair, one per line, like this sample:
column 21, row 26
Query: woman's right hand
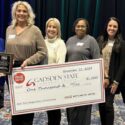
column 106, row 83
column 24, row 64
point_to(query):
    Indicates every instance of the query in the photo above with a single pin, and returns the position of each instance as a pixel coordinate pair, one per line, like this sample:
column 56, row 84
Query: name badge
column 11, row 36
column 80, row 44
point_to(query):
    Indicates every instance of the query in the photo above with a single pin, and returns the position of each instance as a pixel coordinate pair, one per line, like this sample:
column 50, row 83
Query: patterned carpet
column 41, row 119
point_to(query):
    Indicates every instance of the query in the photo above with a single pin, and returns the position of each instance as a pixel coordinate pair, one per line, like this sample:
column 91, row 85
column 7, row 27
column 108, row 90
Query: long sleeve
column 41, row 49
column 56, row 50
column 61, row 53
column 29, row 45
column 121, row 70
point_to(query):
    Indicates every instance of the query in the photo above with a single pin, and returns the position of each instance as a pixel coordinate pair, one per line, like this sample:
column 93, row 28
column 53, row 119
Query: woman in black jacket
column 112, row 49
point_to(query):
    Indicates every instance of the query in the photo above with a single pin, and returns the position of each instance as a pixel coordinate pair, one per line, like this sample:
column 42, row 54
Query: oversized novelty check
column 48, row 87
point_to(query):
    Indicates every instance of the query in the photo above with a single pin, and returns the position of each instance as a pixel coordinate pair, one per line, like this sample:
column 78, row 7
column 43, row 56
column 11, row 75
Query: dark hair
column 79, row 19
column 105, row 34
column 104, row 37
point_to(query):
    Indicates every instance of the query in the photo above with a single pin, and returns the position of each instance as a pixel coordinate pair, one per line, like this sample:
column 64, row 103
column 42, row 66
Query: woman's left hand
column 114, row 88
column 24, row 64
column 2, row 74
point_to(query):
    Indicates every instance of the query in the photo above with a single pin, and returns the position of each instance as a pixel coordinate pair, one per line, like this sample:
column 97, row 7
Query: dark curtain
column 95, row 11
column 5, row 6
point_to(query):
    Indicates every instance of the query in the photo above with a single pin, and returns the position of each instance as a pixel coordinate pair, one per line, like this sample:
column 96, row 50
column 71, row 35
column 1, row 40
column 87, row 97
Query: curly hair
column 86, row 22
column 31, row 14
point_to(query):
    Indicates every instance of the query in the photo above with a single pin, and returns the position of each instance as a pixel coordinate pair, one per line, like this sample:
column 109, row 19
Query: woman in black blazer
column 112, row 48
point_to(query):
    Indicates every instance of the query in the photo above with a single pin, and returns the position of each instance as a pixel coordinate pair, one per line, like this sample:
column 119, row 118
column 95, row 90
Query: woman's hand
column 114, row 88
column 106, row 83
column 2, row 74
column 24, row 64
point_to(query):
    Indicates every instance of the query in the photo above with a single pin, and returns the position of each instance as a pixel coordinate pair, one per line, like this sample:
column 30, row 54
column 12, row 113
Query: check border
column 44, row 67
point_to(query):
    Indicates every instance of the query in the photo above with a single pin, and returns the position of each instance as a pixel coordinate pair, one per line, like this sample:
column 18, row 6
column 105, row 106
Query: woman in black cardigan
column 112, row 48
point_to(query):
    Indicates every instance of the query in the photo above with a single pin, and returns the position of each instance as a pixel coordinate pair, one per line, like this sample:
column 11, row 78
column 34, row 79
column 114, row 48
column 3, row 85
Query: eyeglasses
column 81, row 27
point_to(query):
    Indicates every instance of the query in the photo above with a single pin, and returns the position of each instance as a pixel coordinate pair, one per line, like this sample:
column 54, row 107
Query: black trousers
column 107, row 109
column 54, row 117
column 1, row 96
column 122, row 90
column 80, row 115
column 2, row 81
column 24, row 119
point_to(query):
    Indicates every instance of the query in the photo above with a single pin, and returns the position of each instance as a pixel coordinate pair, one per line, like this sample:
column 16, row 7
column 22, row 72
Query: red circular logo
column 19, row 78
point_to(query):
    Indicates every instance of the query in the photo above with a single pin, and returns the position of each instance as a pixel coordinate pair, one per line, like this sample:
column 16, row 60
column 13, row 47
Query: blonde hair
column 31, row 18
column 56, row 21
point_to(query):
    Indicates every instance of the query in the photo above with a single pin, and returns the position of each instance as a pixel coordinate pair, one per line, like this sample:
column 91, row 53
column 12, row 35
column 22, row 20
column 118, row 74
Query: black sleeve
column 121, row 71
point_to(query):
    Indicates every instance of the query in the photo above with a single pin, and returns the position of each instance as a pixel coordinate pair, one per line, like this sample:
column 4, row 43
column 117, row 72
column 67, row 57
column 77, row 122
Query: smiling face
column 51, row 30
column 112, row 29
column 21, row 14
column 81, row 28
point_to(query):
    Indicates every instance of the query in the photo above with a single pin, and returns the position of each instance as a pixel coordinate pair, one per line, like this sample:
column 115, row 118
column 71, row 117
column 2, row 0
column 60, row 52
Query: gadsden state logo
column 19, row 78
column 30, row 83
